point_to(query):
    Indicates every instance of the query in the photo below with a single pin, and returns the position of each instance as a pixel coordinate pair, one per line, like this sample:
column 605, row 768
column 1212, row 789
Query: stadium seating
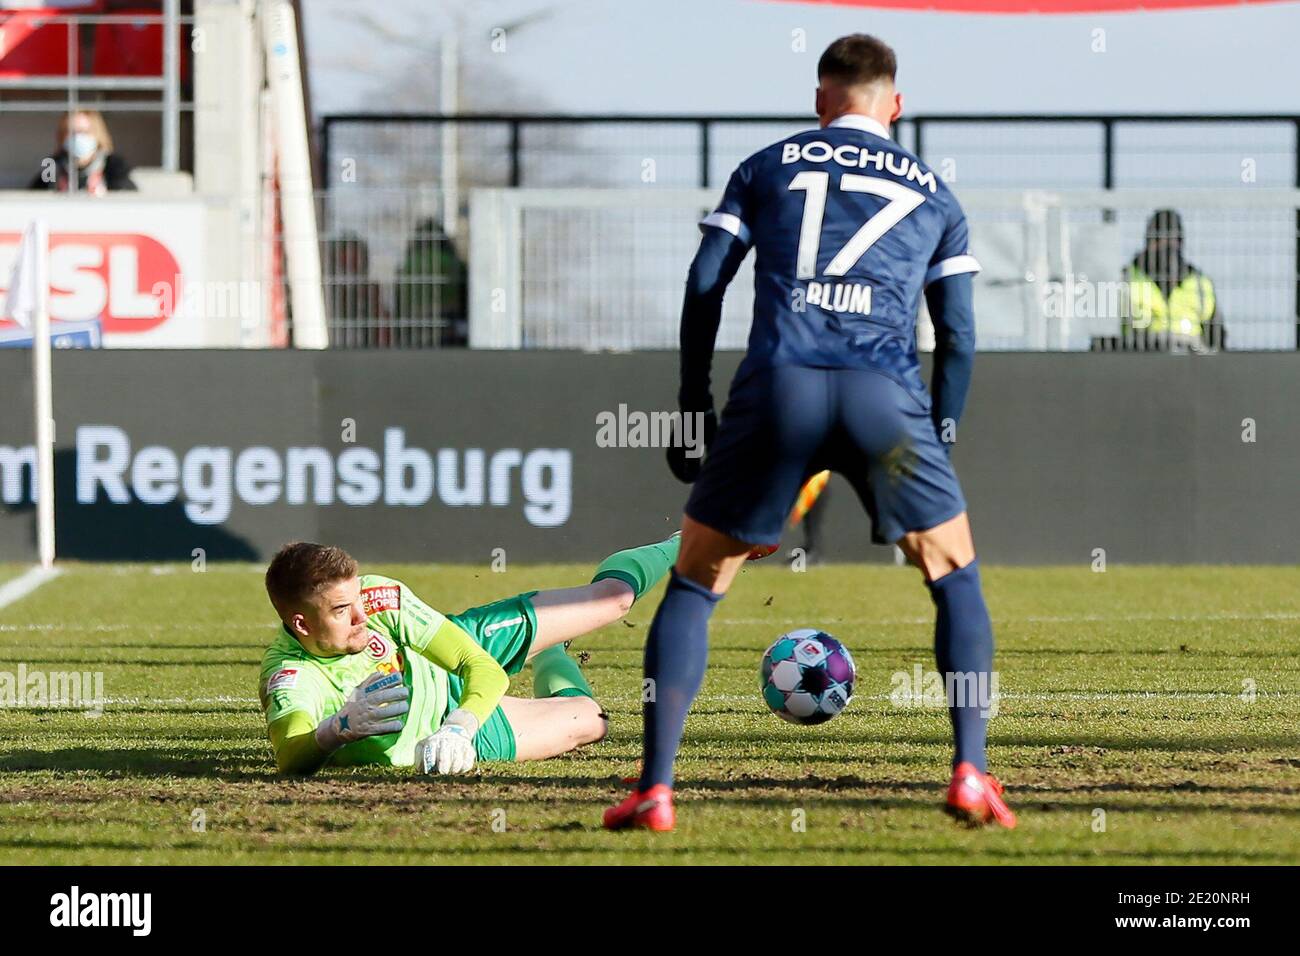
column 132, row 49
column 32, row 45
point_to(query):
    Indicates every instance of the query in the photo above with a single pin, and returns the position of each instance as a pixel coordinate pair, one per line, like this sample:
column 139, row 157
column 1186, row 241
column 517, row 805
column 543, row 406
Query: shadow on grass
column 890, row 794
column 723, row 747
column 233, row 765
column 1191, row 652
column 379, row 785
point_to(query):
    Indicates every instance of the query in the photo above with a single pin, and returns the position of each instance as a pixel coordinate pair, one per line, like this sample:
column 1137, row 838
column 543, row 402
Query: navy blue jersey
column 848, row 228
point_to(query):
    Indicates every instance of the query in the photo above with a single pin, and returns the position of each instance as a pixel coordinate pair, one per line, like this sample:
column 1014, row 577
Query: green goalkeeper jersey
column 293, row 682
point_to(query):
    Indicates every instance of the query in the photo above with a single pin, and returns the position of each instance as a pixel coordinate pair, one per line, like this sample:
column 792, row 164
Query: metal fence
column 1055, row 268
column 397, row 232
column 1023, row 151
column 391, row 276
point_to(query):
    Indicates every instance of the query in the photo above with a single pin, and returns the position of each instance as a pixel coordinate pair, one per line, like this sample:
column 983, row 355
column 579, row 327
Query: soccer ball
column 807, row 676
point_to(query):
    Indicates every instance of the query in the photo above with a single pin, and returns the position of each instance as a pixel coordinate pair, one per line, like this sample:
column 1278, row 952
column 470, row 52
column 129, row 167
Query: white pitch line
column 1052, row 619
column 745, row 698
column 1040, row 696
column 1103, row 618
column 193, row 701
column 738, row 622
column 25, row 584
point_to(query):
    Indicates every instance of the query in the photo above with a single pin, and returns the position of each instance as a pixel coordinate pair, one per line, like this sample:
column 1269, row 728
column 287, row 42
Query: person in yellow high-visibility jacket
column 1169, row 299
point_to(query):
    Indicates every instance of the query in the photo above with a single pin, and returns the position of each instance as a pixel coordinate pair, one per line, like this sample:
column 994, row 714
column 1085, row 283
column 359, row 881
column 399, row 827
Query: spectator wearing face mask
column 86, row 148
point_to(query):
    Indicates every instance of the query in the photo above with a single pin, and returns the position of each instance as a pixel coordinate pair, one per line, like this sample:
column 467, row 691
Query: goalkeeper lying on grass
column 364, row 672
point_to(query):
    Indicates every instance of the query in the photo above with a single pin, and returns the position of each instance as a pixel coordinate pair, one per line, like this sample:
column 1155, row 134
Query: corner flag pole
column 29, row 305
column 44, row 388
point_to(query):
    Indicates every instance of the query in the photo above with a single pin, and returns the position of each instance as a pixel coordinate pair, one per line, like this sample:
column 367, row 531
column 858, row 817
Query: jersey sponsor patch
column 283, row 679
column 389, row 680
column 380, row 598
column 377, row 648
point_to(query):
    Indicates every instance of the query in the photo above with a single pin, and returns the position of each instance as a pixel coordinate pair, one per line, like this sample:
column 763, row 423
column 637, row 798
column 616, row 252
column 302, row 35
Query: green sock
column 555, row 674
column 640, row 568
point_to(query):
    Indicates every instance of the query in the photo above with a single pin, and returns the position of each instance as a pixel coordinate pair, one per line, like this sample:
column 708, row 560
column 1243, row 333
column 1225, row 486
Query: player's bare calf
column 555, row 725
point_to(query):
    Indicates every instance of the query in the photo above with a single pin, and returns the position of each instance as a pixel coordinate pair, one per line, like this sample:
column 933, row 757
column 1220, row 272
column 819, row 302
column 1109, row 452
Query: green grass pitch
column 1128, row 731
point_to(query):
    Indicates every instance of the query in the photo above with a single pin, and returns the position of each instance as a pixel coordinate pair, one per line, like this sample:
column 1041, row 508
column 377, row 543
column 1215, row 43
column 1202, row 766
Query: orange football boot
column 976, row 798
column 651, row 810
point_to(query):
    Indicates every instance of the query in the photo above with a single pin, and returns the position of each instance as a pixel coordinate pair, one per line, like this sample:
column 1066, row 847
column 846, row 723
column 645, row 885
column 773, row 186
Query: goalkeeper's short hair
column 301, row 569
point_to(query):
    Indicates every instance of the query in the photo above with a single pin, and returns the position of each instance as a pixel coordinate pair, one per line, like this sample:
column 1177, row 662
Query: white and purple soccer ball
column 807, row 676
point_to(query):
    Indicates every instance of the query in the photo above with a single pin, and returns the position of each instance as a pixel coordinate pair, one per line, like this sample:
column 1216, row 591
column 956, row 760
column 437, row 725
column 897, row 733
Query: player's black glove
column 686, row 452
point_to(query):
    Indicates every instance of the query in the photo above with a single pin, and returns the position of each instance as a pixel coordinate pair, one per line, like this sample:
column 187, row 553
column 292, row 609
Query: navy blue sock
column 963, row 645
column 675, row 656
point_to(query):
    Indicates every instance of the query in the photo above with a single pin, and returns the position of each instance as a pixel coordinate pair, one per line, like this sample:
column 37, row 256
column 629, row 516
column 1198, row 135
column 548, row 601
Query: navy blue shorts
column 783, row 425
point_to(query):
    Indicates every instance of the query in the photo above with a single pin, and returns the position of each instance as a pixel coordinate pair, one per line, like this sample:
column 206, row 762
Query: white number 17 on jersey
column 901, row 202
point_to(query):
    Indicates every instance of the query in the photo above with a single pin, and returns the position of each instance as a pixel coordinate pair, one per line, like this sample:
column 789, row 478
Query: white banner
column 133, row 265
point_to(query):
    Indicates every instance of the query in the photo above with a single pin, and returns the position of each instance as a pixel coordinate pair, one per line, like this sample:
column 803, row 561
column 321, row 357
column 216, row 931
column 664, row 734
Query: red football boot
column 652, row 810
column 976, row 798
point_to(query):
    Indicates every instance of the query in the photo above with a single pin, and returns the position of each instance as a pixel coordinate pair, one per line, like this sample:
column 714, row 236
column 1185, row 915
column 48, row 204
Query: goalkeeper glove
column 376, row 706
column 451, row 749
column 685, row 462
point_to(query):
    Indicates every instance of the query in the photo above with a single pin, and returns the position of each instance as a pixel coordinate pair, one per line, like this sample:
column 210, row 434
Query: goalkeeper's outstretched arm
column 484, row 680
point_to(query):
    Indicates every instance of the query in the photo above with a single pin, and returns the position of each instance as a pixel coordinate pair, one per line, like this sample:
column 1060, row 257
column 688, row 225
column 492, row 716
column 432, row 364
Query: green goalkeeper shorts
column 505, row 629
